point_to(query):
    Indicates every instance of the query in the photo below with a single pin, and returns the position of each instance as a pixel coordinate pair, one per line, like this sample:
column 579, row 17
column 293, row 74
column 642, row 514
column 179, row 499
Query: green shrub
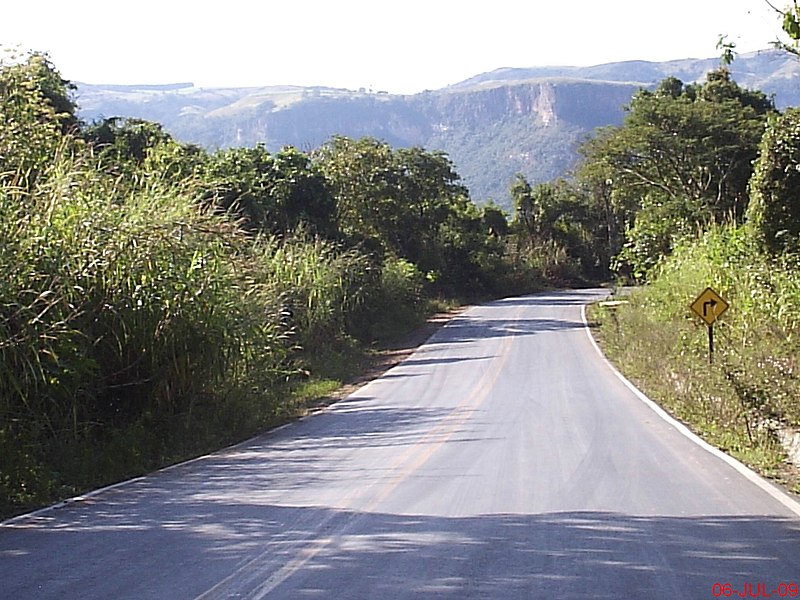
column 394, row 302
column 120, row 305
column 319, row 283
column 774, row 210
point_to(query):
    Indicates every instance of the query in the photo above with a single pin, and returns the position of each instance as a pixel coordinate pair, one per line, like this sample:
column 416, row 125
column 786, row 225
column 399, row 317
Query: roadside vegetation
column 730, row 219
column 159, row 301
column 748, row 401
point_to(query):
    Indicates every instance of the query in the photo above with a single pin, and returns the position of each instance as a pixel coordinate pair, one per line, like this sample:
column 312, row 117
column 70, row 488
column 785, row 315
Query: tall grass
column 319, row 282
column 139, row 325
column 751, row 392
column 120, row 304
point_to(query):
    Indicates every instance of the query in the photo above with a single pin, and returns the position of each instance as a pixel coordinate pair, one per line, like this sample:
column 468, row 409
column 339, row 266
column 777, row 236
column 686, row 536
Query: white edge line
column 778, row 494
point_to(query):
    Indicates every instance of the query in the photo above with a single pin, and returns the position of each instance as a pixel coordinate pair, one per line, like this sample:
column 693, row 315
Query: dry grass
column 751, row 393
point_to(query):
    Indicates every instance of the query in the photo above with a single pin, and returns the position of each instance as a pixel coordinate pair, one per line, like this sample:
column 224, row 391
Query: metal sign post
column 711, row 344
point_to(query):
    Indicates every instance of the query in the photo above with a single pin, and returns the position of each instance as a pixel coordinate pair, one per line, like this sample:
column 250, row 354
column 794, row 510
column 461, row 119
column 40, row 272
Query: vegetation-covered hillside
column 498, row 124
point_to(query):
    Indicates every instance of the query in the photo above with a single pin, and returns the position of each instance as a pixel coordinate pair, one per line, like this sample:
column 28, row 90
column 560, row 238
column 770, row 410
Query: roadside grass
column 139, row 327
column 749, row 398
column 320, row 376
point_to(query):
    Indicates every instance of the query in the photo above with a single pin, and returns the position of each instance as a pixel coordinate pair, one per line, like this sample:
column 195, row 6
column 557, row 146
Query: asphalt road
column 503, row 459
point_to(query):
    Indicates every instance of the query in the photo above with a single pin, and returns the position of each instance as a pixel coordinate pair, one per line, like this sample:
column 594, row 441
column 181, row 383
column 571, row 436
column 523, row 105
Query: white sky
column 398, row 46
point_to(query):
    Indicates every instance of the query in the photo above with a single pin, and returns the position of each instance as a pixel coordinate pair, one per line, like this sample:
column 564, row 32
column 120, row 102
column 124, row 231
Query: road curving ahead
column 503, row 459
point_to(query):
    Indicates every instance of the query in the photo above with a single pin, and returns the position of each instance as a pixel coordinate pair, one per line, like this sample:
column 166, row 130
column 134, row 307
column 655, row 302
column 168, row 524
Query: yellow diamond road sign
column 709, row 306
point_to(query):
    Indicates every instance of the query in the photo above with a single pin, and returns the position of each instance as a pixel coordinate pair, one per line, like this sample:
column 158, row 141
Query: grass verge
column 724, row 402
column 330, row 374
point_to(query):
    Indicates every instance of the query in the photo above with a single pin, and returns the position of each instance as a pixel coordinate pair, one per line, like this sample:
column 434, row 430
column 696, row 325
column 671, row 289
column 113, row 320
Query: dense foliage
column 159, row 300
column 707, row 178
column 559, row 230
column 774, row 211
column 681, row 160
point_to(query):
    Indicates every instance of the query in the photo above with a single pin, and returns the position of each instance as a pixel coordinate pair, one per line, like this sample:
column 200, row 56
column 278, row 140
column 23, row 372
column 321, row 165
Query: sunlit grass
column 752, row 389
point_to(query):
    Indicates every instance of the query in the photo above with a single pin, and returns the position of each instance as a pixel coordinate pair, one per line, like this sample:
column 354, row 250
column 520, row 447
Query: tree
column 300, row 193
column 562, row 223
column 36, row 111
column 394, row 200
column 409, row 204
column 495, row 221
column 525, row 215
column 728, row 51
column 363, row 181
column 122, row 140
column 774, row 211
column 429, row 192
column 682, row 157
column 275, row 193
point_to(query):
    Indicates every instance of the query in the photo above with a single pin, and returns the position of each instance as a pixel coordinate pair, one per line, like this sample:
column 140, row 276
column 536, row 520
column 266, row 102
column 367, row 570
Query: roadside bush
column 119, row 305
column 319, row 283
column 394, row 302
column 774, row 210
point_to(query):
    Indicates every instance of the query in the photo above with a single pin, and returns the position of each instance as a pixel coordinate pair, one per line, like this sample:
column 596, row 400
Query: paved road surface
column 502, row 460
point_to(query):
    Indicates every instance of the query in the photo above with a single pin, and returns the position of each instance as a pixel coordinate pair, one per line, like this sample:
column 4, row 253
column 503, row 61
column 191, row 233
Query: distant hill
column 493, row 125
column 771, row 71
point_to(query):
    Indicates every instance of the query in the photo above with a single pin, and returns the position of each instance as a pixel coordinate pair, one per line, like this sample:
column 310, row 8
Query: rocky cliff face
column 532, row 128
column 493, row 126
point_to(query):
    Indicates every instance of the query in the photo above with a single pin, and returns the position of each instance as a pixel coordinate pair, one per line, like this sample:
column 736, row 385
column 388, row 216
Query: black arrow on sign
column 712, row 304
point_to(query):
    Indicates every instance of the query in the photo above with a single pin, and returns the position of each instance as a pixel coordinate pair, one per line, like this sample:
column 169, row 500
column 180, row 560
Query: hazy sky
column 398, row 46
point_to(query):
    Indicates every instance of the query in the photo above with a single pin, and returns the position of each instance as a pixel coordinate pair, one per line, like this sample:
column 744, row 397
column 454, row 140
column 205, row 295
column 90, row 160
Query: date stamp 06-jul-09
column 755, row 590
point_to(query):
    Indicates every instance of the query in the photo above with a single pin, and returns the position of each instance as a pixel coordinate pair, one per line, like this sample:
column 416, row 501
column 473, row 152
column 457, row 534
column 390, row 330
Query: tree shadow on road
column 249, row 548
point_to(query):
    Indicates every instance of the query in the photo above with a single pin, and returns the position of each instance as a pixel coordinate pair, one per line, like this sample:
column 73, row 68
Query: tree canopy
column 36, row 111
column 774, row 211
column 682, row 158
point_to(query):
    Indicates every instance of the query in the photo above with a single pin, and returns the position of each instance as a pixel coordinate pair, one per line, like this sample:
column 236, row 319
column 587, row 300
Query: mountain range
column 493, row 125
